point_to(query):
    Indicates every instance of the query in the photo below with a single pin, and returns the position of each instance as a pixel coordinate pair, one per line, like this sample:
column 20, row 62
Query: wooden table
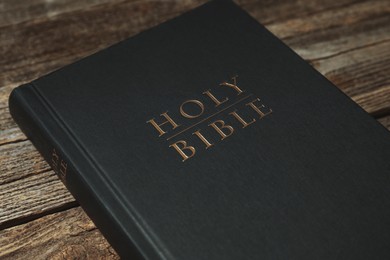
column 348, row 41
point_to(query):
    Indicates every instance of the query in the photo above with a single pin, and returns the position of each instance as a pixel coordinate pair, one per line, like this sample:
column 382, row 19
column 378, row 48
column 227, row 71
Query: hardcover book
column 208, row 138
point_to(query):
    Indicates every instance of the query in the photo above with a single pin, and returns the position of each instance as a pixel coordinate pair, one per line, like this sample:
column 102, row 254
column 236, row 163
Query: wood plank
column 344, row 16
column 275, row 11
column 16, row 11
column 333, row 41
column 19, row 160
column 32, row 196
column 363, row 74
column 385, row 121
column 376, row 102
column 68, row 234
column 9, row 131
column 5, row 90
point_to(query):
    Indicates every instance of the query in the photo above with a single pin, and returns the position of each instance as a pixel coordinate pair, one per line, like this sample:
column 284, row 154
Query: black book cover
column 207, row 138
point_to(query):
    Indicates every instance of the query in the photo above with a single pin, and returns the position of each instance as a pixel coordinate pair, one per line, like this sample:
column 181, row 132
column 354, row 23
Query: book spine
column 49, row 139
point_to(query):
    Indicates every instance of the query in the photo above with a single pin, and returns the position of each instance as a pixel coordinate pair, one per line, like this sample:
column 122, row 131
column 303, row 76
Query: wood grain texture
column 29, row 197
column 9, row 131
column 385, row 121
column 348, row 41
column 20, row 160
column 69, row 234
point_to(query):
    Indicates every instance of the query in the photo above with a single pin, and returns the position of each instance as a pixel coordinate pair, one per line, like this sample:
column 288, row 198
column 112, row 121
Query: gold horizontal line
column 216, row 113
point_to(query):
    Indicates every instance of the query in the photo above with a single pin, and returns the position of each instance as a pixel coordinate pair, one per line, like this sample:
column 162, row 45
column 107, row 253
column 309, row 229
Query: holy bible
column 208, row 138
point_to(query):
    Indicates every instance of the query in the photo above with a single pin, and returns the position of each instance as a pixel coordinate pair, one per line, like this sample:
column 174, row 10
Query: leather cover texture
column 308, row 179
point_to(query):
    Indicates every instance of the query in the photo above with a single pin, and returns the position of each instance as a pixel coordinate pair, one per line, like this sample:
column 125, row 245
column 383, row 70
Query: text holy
column 252, row 111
